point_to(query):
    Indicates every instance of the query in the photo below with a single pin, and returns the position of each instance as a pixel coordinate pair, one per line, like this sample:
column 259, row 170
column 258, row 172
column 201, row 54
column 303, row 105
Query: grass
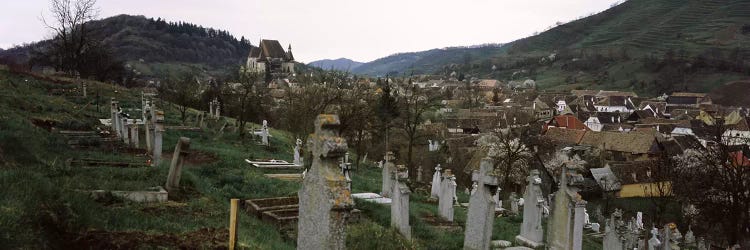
column 43, row 204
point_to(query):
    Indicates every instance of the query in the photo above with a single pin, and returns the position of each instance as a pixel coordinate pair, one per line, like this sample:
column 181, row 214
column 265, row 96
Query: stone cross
column 264, row 133
column 481, row 215
column 325, row 201
column 178, row 159
column 400, row 202
column 666, row 242
column 532, row 233
column 297, row 150
column 346, row 168
column 612, row 239
column 388, row 168
column 447, row 194
column 158, row 131
column 435, row 191
column 565, row 226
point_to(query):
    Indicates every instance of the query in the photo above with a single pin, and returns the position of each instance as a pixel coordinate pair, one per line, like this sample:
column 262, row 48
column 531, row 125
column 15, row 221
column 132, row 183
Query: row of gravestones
column 619, row 235
column 325, row 201
column 128, row 129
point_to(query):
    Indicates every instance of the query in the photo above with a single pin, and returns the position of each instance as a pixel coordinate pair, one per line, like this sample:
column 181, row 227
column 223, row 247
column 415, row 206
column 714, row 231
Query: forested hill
column 156, row 48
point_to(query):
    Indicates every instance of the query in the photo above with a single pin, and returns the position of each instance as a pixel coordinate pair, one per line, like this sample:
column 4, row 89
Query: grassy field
column 43, row 204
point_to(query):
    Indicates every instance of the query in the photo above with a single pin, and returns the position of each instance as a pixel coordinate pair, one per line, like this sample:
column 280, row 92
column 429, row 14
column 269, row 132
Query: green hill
column 648, row 46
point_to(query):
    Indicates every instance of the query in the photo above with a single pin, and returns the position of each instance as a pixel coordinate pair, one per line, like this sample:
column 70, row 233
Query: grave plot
column 90, row 163
column 273, row 164
column 258, row 206
column 87, row 139
column 285, row 177
column 440, row 224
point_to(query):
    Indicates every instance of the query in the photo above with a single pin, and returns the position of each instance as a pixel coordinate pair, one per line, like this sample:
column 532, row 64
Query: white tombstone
column 158, row 131
column 654, row 242
column 447, row 196
column 513, row 203
column 126, row 131
column 532, row 232
column 388, row 168
column 498, row 202
column 134, row 135
column 639, row 220
column 264, row 133
column 436, row 179
column 481, row 214
column 400, row 202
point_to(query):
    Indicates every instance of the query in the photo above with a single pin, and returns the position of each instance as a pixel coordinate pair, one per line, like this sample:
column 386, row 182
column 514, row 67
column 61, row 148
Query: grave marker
column 325, row 201
column 481, row 214
column 158, row 130
column 297, row 151
column 400, row 201
column 532, row 233
column 435, row 191
column 388, row 168
column 178, row 159
column 447, row 194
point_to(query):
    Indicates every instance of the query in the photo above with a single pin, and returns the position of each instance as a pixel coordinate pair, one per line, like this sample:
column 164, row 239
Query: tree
column 182, row 91
column 356, row 111
column 659, row 187
column 247, row 96
column 512, row 157
column 716, row 180
column 72, row 37
column 387, row 110
column 413, row 107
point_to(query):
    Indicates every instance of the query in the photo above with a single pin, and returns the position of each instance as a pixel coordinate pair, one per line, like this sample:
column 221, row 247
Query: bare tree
column 716, row 180
column 247, row 93
column 71, row 38
column 182, row 91
column 512, row 157
column 414, row 104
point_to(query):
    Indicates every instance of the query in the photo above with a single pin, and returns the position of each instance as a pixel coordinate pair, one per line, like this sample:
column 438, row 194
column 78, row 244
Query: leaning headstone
column 532, row 233
column 297, row 150
column 324, row 200
column 388, row 168
column 178, row 159
column 158, row 131
column 481, row 214
column 435, row 191
column 400, row 202
column 447, row 194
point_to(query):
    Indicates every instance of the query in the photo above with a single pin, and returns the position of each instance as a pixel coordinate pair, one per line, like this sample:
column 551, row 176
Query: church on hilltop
column 270, row 59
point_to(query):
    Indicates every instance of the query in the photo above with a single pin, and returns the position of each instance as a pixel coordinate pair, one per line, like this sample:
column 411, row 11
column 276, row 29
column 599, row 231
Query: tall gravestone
column 447, row 194
column 178, row 159
column 513, row 202
column 148, row 126
column 481, row 215
column 297, row 152
column 211, row 108
column 134, row 135
column 388, row 168
column 612, row 238
column 324, row 200
column 264, row 133
column 113, row 107
column 532, row 233
column 566, row 224
column 158, row 131
column 436, row 179
column 126, row 131
column 400, row 202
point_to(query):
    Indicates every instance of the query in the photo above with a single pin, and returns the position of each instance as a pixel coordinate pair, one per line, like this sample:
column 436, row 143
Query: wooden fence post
column 234, row 204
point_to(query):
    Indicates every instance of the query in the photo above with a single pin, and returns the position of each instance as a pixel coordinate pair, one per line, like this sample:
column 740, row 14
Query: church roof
column 271, row 49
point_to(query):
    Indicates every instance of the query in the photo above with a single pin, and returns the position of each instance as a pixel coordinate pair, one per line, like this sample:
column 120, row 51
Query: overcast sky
column 328, row 29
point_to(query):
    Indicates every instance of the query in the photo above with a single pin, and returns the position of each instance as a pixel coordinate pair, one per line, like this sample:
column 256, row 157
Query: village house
column 680, row 101
column 567, row 122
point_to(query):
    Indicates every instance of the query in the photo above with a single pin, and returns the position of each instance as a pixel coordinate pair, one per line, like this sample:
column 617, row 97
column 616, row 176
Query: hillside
column 641, row 45
column 426, row 62
column 156, row 48
column 341, row 64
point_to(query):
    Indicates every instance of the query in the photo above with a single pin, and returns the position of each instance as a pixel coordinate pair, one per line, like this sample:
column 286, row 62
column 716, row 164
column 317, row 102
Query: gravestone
column 211, row 108
column 113, row 107
column 158, row 121
column 513, row 203
column 297, row 150
column 481, row 214
column 126, row 131
column 447, row 194
column 134, row 135
column 436, row 178
column 419, row 174
column 148, row 126
column 689, row 238
column 496, row 197
column 612, row 238
column 565, row 226
column 532, row 233
column 665, row 238
column 217, row 113
column 400, row 202
column 388, row 168
column 264, row 133
column 84, row 89
column 654, row 242
column 639, row 220
column 325, row 201
column 346, row 169
column 178, row 159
